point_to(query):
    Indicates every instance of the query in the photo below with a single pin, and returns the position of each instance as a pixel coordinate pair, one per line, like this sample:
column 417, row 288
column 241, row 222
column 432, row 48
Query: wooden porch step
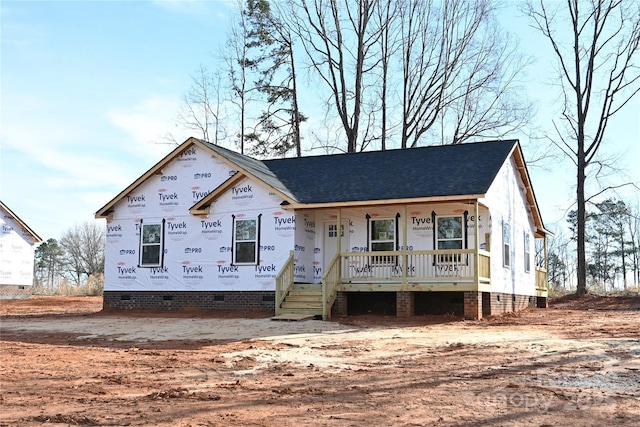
column 292, row 317
column 305, row 311
column 307, row 286
column 303, row 299
column 302, row 304
column 298, row 293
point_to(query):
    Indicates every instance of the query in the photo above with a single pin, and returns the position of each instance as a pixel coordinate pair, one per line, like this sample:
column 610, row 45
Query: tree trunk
column 581, row 273
column 296, row 111
column 624, row 263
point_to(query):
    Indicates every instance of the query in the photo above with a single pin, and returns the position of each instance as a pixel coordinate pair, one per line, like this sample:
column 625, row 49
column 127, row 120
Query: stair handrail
column 284, row 281
column 330, row 281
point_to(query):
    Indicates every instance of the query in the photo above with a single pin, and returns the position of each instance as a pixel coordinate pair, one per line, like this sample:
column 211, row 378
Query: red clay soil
column 64, row 362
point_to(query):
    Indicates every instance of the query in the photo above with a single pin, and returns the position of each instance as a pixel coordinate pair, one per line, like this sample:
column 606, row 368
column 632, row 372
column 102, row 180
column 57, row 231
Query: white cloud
column 60, row 167
column 148, row 124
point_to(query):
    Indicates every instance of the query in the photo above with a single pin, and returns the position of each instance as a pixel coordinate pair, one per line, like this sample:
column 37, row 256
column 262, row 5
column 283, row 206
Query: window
column 383, row 238
column 527, row 253
column 449, row 236
column 333, row 230
column 245, row 248
column 506, row 245
column 383, row 235
column 151, row 244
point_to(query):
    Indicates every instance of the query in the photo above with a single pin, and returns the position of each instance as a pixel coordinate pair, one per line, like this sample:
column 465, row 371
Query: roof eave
column 23, row 224
column 202, row 206
column 107, row 210
column 354, row 203
column 521, row 165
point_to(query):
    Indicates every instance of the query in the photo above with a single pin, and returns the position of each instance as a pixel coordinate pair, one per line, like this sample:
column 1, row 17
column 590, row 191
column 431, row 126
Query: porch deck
column 396, row 271
column 426, row 270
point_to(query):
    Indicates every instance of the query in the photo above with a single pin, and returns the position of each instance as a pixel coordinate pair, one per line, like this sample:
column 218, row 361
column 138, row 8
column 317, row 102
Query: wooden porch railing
column 541, row 279
column 330, row 282
column 484, row 267
column 422, row 266
column 284, row 281
column 387, row 267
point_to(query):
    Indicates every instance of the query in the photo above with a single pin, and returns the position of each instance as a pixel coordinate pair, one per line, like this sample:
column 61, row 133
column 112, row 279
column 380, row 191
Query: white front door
column 330, row 246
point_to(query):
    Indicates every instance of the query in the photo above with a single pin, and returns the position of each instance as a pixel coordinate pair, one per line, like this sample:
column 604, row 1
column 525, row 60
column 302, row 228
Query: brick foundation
column 15, row 291
column 340, row 305
column 193, row 300
column 498, row 303
column 405, row 304
column 473, row 305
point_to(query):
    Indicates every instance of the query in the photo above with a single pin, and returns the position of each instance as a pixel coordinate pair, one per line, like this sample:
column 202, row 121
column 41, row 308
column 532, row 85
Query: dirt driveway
column 63, row 362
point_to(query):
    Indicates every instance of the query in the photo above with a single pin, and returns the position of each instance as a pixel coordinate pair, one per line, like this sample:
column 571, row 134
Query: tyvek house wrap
column 16, row 252
column 197, row 248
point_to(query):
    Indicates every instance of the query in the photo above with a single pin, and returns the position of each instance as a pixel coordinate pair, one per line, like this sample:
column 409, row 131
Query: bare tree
column 84, row 250
column 484, row 99
column 239, row 67
column 386, row 14
column 634, row 228
column 340, row 40
column 598, row 78
column 458, row 68
column 632, row 223
column 203, row 106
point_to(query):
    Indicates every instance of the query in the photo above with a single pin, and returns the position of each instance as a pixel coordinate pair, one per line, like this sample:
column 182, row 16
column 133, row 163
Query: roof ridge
column 378, row 152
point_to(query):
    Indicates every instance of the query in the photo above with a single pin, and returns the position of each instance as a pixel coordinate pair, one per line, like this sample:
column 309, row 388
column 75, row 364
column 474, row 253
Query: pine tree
column 270, row 46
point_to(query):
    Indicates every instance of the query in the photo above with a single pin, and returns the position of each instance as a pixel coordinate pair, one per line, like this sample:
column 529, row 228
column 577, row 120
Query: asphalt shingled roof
column 446, row 170
column 443, row 170
column 413, row 173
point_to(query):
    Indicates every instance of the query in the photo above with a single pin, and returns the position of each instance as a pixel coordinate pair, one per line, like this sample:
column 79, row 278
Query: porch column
column 339, row 244
column 544, row 242
column 405, row 256
column 473, row 305
column 340, row 306
column 405, row 304
column 339, row 231
column 543, row 302
column 476, row 246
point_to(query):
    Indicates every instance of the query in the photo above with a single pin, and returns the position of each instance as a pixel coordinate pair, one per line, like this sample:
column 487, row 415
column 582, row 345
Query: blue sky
column 88, row 90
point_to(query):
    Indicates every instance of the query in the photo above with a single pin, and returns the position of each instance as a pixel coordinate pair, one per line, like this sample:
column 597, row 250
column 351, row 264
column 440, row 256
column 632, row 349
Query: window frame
column 378, row 260
column 333, row 230
column 448, row 258
column 255, row 241
column 506, row 245
column 527, row 252
column 142, row 245
column 373, row 241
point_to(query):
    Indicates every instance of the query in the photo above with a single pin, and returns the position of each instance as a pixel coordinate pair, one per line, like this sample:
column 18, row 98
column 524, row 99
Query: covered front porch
column 403, row 272
column 459, row 261
column 419, row 270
